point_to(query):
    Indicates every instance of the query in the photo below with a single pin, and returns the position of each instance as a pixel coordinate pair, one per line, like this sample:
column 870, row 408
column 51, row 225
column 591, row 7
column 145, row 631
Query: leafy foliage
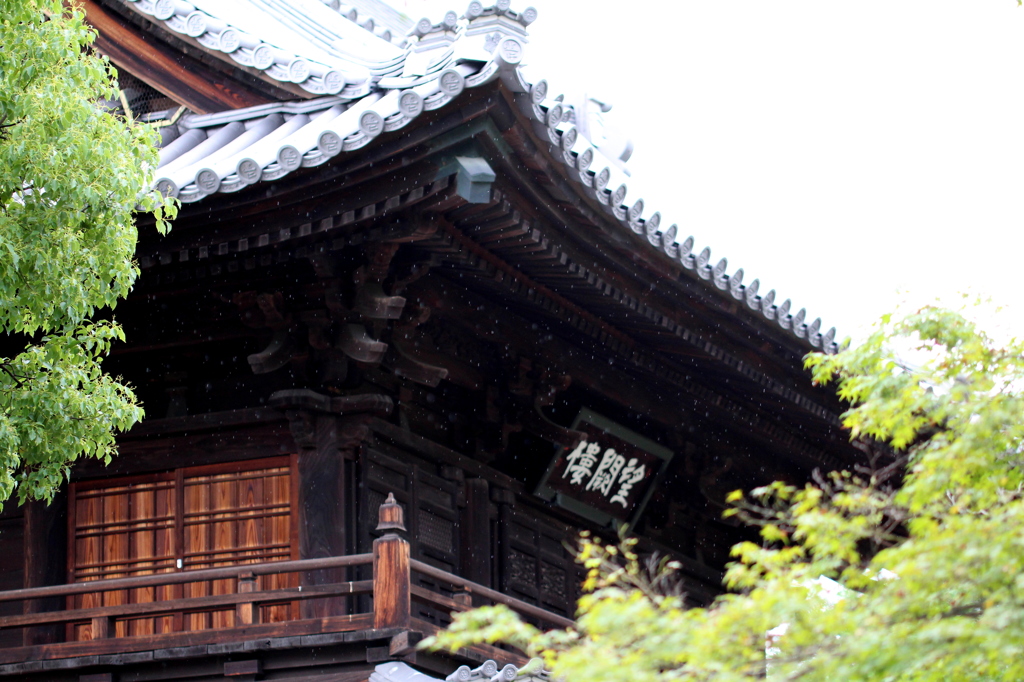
column 71, row 177
column 927, row 577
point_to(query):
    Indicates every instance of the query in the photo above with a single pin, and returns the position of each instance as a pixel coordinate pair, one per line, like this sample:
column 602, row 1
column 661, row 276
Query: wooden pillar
column 327, row 430
column 391, row 593
column 505, row 500
column 321, row 507
column 46, row 562
column 477, row 547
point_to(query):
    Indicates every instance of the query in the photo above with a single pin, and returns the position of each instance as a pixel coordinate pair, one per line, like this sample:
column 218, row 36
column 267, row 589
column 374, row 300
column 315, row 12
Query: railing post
column 101, row 627
column 391, row 599
column 463, row 597
column 245, row 612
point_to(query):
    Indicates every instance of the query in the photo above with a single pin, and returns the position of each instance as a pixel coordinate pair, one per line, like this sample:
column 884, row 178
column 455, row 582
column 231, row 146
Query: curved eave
column 255, row 150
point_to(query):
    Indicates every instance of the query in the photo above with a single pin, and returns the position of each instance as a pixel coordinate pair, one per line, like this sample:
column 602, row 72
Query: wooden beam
column 184, row 80
column 119, row 645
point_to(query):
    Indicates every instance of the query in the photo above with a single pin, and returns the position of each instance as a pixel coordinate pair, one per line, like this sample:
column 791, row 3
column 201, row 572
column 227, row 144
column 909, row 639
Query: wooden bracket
column 404, row 643
column 276, row 355
column 408, row 367
column 538, row 423
column 356, row 343
column 259, row 310
column 372, row 302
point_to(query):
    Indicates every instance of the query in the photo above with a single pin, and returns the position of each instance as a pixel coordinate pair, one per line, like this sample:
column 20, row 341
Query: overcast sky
column 839, row 151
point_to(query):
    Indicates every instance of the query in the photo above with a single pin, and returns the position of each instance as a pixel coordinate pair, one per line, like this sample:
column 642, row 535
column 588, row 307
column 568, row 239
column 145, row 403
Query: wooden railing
column 244, row 602
column 469, row 588
column 391, row 613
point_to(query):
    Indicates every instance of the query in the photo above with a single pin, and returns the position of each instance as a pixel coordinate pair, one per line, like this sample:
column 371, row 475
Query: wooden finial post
column 391, row 597
column 390, row 516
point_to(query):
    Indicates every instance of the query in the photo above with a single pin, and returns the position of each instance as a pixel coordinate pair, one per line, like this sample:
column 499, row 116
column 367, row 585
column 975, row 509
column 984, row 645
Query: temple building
column 412, row 331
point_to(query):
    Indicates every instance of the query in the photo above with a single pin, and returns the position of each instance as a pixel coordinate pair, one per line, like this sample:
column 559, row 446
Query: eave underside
column 538, row 250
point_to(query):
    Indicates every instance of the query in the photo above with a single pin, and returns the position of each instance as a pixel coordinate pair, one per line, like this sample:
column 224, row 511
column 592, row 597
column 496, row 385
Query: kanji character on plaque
column 631, row 475
column 607, row 471
column 579, row 465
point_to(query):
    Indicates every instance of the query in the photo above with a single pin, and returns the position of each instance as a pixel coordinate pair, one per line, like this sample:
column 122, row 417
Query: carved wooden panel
column 535, row 565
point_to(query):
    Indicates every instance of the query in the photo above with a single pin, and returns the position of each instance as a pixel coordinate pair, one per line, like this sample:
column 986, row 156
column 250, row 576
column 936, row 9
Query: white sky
column 839, row 151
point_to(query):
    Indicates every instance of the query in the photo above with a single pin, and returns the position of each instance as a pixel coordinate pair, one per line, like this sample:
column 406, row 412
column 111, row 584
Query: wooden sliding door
column 122, row 529
column 192, row 518
column 235, row 515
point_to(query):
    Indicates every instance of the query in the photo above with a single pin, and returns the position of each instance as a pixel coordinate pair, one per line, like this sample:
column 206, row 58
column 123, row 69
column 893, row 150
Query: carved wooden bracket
column 370, row 299
column 538, row 423
column 363, row 318
column 548, row 386
column 260, row 310
column 408, row 367
column 401, row 358
column 354, row 341
column 304, row 408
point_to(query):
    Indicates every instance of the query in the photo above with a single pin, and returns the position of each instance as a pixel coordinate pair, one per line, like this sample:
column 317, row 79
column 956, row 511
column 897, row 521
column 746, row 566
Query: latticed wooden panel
column 431, row 516
column 537, row 567
column 194, row 518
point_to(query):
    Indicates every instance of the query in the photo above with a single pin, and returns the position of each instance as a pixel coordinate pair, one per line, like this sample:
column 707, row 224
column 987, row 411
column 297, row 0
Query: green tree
column 928, row 574
column 71, row 177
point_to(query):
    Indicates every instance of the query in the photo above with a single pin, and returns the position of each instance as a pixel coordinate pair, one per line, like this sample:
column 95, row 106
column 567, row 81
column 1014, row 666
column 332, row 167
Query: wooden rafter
column 184, row 80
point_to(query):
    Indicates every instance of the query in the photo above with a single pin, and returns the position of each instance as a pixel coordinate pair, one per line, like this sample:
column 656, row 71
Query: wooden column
column 477, row 544
column 326, row 431
column 46, row 529
column 391, row 597
column 321, row 510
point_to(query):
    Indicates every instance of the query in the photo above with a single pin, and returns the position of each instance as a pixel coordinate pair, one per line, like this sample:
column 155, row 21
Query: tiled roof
column 230, row 150
column 488, row 671
column 383, row 15
column 323, row 50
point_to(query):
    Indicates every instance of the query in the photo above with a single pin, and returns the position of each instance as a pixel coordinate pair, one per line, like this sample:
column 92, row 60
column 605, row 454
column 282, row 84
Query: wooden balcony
column 380, row 612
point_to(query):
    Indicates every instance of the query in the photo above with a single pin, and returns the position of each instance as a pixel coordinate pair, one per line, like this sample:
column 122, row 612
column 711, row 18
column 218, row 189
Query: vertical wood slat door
column 120, row 530
column 202, row 517
column 235, row 516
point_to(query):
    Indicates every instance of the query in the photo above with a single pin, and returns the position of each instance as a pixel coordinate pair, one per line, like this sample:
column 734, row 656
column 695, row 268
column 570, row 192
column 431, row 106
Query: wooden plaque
column 609, row 476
